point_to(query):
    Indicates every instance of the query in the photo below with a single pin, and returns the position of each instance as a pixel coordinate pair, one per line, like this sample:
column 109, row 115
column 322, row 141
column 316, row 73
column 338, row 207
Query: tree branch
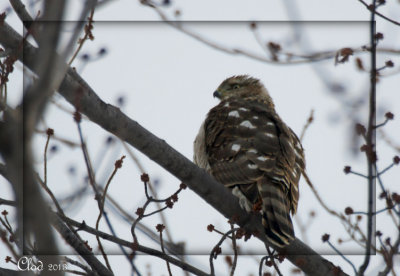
column 379, row 14
column 79, row 247
column 7, row 202
column 46, row 62
column 370, row 139
column 9, row 272
column 139, row 248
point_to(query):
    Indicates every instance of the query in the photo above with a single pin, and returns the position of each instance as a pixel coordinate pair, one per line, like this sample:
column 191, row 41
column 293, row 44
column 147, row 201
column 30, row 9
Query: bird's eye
column 235, row 86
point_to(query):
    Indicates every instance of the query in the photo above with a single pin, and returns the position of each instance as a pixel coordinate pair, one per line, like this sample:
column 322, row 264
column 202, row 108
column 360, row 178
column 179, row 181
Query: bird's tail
column 276, row 214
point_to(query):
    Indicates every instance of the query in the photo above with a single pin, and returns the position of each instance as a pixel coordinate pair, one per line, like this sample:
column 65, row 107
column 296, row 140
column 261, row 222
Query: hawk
column 247, row 147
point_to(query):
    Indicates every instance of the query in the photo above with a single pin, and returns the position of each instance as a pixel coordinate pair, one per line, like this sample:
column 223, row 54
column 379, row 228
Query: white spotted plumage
column 234, row 113
column 247, row 124
column 250, row 149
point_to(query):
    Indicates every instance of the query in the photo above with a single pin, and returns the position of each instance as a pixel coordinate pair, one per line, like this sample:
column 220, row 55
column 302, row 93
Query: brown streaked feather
column 249, row 147
column 276, row 218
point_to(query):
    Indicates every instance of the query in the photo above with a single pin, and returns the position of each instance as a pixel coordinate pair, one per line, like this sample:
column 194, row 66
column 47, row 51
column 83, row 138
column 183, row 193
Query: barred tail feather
column 275, row 214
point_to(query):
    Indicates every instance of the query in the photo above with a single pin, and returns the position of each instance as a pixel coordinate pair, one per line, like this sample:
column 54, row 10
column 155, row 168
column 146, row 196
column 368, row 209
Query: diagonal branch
column 140, row 248
column 79, row 247
column 379, row 14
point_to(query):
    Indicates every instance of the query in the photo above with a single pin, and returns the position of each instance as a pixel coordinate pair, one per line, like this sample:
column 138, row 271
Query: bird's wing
column 249, row 146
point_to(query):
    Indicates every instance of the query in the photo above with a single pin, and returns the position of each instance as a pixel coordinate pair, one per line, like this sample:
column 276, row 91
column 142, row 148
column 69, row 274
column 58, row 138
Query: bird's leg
column 243, row 201
column 256, row 208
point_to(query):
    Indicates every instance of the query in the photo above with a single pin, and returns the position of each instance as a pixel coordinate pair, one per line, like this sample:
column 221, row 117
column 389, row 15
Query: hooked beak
column 217, row 94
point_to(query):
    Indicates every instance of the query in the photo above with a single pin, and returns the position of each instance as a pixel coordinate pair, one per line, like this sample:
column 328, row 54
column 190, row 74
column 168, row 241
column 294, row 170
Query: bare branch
column 9, row 272
column 378, row 13
column 235, row 250
column 307, row 124
column 24, row 16
column 78, row 264
column 88, row 35
column 7, row 202
column 118, row 165
column 160, row 229
column 370, row 138
column 144, row 249
column 343, row 256
column 79, row 247
column 152, row 190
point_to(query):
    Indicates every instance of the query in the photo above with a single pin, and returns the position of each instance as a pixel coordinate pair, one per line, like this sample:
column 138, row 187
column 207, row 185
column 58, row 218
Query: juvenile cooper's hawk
column 247, row 147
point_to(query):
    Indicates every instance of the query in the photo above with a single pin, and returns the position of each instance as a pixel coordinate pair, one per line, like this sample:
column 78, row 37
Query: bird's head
column 242, row 86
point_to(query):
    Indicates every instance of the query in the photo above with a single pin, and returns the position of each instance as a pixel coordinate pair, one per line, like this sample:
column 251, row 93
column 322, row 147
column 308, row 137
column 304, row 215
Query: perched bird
column 247, row 147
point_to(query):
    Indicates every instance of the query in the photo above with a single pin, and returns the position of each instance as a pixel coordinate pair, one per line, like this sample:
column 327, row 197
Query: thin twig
column 88, row 163
column 316, row 194
column 219, row 232
column 378, row 13
column 61, row 140
column 43, row 183
column 88, row 35
column 235, row 256
column 359, row 174
column 7, row 225
column 124, row 251
column 385, row 169
column 160, row 228
column 141, row 211
column 343, row 256
column 263, row 259
column 233, row 51
column 78, row 264
column 171, row 247
column 382, row 124
column 388, row 140
column 75, row 242
column 373, row 213
column 387, row 196
column 155, row 212
column 74, row 272
column 118, row 165
column 217, row 248
column 389, row 260
column 307, row 124
column 50, row 132
column 341, row 217
column 50, row 193
column 152, row 190
column 6, row 241
column 140, row 248
column 271, row 257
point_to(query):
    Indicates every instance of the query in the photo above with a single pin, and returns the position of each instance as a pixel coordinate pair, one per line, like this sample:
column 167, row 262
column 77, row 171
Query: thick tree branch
column 76, row 91
column 9, row 272
column 11, row 152
column 45, row 65
column 4, row 171
column 79, row 247
column 23, row 15
column 7, row 202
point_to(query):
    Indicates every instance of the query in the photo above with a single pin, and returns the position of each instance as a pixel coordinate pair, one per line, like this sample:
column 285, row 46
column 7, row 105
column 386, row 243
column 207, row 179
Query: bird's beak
column 217, row 94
